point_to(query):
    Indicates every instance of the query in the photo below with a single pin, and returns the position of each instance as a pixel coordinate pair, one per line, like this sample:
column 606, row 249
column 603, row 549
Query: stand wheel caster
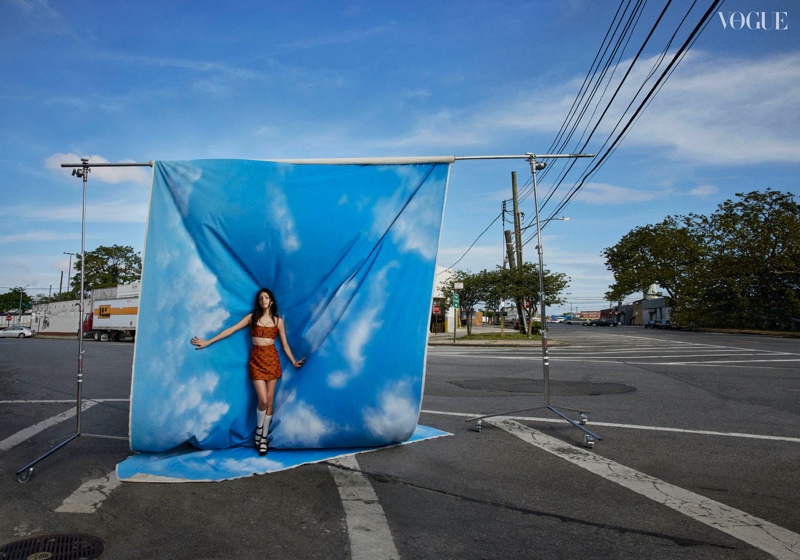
column 25, row 475
column 588, row 441
column 478, row 425
column 582, row 419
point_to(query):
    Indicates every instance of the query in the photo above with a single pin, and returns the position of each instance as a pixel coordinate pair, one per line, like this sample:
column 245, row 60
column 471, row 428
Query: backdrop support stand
column 81, row 170
column 589, row 436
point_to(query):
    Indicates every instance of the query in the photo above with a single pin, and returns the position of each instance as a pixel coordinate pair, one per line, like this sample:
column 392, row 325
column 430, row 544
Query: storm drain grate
column 53, row 547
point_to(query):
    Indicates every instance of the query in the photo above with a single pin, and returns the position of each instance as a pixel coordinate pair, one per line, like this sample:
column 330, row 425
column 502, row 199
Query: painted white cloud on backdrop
column 300, row 423
column 364, row 318
column 282, row 218
column 396, row 411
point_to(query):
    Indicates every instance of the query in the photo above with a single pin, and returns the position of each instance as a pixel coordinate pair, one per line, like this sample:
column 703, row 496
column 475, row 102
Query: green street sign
column 455, row 301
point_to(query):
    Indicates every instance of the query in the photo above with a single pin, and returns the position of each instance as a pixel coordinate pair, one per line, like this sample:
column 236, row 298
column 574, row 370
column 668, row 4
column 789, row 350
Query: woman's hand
column 199, row 342
column 299, row 364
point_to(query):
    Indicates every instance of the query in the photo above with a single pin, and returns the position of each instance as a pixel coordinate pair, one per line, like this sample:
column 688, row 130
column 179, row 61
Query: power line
column 471, row 246
column 679, row 55
column 595, row 87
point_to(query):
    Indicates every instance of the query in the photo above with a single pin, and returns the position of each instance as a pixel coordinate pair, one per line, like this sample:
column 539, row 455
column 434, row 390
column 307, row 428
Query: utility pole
column 518, row 239
column 510, row 251
column 517, row 221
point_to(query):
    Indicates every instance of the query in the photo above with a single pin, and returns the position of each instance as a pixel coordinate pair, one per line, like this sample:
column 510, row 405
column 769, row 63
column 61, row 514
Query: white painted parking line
column 367, row 528
column 773, row 539
column 31, row 431
column 90, row 495
column 630, row 426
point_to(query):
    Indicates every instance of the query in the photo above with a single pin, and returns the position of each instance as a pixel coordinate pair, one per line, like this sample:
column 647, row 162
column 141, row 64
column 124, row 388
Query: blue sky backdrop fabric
column 348, row 250
column 216, row 465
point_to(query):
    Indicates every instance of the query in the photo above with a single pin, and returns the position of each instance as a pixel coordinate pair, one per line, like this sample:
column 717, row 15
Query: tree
column 737, row 268
column 523, row 284
column 108, row 266
column 752, row 276
column 10, row 301
column 663, row 254
column 475, row 291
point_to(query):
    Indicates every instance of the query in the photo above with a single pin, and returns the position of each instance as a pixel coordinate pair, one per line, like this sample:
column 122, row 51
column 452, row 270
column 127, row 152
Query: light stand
column 81, row 170
column 589, row 436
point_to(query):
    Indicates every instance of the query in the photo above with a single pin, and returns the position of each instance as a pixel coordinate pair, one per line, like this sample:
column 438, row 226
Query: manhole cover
column 53, row 547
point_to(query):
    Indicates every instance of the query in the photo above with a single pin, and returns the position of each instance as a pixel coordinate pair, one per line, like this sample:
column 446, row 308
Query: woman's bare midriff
column 258, row 341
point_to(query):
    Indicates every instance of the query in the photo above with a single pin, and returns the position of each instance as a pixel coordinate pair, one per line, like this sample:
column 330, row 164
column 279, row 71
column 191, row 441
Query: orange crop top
column 263, row 332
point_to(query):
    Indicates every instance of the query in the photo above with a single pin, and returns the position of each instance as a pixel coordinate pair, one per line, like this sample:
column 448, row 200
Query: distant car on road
column 16, row 332
column 576, row 321
column 657, row 324
column 604, row 323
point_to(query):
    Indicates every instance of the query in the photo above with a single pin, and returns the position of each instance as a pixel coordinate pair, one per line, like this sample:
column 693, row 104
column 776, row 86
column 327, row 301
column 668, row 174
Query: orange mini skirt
column 264, row 363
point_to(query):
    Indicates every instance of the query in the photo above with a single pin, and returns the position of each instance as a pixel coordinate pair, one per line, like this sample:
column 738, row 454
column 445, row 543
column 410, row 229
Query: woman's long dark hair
column 259, row 312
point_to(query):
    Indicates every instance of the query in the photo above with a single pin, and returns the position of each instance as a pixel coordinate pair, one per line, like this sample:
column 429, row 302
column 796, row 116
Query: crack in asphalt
column 680, row 541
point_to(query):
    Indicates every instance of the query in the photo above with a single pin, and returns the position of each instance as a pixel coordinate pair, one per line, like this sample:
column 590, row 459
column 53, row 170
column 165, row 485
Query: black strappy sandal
column 259, row 436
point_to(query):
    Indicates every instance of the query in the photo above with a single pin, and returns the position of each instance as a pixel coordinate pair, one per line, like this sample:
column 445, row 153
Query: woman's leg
column 265, row 391
column 261, row 413
column 262, row 393
column 270, row 395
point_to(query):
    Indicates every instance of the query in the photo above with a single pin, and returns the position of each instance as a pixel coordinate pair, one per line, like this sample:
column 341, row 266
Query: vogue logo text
column 755, row 21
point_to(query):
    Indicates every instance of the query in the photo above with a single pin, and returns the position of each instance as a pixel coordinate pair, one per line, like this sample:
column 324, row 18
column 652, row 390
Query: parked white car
column 16, row 332
column 577, row 321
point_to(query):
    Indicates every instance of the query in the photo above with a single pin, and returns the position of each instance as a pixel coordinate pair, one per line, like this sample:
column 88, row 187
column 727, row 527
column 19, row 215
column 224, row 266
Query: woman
column 264, row 363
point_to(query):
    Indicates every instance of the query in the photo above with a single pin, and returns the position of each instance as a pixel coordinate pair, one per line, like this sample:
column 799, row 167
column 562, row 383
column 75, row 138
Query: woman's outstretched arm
column 285, row 343
column 200, row 343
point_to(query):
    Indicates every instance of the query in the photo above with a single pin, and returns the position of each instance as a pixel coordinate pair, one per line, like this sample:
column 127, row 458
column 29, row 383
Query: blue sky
column 145, row 81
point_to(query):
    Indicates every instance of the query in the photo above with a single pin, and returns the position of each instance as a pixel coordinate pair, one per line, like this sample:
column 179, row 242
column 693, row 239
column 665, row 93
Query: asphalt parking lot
column 699, row 457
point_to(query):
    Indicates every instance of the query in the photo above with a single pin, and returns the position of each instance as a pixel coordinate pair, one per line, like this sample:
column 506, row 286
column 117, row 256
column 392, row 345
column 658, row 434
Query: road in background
column 709, row 416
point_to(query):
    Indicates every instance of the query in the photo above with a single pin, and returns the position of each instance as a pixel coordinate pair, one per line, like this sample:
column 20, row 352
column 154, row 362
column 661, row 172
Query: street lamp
column 562, row 219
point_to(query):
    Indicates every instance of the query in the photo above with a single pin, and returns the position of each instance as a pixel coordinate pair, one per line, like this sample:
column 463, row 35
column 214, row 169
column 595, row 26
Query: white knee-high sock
column 260, row 416
column 267, row 422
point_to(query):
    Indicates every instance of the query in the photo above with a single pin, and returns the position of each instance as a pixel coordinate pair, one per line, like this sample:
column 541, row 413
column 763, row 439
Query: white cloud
column 364, row 319
column 415, row 223
column 249, row 465
column 602, row 193
column 704, row 190
column 713, row 111
column 36, row 236
column 396, row 416
column 417, row 228
column 194, row 412
column 302, row 426
column 115, row 211
column 338, row 379
column 283, row 219
column 183, row 184
column 327, row 312
column 110, row 175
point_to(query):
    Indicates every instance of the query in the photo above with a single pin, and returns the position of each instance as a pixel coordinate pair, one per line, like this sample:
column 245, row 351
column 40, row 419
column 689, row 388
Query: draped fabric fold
column 348, row 250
